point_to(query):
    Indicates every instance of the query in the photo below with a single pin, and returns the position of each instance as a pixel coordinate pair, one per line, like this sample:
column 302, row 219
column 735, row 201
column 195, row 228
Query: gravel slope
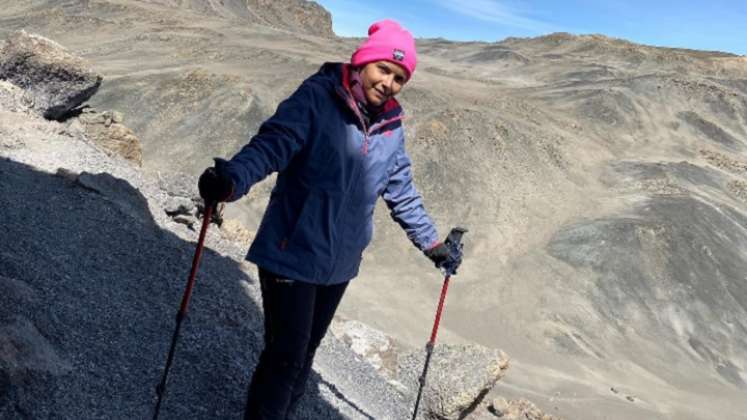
column 91, row 273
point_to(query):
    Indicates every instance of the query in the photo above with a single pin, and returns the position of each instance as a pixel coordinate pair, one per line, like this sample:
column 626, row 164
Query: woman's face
column 382, row 80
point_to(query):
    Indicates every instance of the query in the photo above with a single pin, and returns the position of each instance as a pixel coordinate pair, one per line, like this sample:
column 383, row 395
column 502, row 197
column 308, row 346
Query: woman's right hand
column 215, row 185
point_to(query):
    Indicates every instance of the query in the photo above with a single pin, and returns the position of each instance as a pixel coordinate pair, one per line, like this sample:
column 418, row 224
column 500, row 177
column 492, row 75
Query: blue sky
column 705, row 25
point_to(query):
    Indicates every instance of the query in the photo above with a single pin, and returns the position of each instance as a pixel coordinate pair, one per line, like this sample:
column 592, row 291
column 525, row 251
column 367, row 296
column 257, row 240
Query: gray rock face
column 57, row 80
column 296, row 15
column 459, row 377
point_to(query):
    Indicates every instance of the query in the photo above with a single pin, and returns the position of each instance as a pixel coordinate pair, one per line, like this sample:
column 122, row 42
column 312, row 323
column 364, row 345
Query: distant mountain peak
column 602, row 43
column 294, row 15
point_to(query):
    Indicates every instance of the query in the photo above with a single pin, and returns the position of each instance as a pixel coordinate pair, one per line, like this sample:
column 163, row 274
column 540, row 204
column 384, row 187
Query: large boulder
column 57, row 80
column 459, row 377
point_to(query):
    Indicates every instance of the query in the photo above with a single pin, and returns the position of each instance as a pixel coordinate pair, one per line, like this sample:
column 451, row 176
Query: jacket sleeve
column 406, row 205
column 279, row 139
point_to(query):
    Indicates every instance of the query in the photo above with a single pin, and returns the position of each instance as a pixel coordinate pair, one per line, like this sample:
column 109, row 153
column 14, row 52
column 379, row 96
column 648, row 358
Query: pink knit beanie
column 389, row 41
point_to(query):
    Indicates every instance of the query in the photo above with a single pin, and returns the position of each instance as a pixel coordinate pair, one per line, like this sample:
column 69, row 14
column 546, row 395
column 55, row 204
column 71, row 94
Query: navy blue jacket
column 331, row 170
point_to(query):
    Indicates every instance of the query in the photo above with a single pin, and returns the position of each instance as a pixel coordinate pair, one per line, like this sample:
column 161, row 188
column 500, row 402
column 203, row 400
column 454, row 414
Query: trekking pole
column 453, row 242
column 161, row 388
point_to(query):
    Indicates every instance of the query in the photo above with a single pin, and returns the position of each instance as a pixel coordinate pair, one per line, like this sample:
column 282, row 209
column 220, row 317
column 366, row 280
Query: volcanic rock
column 58, row 80
column 459, row 377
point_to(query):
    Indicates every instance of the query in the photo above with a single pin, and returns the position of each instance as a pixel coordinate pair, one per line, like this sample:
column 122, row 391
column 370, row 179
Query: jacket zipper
column 366, row 130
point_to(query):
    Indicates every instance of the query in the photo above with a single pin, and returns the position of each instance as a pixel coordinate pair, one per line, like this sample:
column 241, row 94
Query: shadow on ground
column 89, row 287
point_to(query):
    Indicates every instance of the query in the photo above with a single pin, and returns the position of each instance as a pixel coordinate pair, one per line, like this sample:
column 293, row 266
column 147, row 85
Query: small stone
column 117, row 117
column 498, row 406
column 69, row 176
column 178, row 205
column 188, row 221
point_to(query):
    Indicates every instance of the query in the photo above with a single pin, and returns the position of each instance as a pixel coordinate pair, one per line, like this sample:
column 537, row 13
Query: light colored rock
column 13, row 98
column 499, row 406
column 19, row 128
column 233, row 230
column 76, row 128
column 520, row 409
column 459, row 377
column 377, row 348
column 57, row 80
column 113, row 137
column 117, row 117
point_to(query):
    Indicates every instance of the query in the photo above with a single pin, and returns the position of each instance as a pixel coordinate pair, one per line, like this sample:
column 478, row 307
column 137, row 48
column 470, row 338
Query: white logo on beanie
column 398, row 55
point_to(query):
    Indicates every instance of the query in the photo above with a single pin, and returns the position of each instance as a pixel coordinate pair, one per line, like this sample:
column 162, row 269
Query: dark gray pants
column 297, row 315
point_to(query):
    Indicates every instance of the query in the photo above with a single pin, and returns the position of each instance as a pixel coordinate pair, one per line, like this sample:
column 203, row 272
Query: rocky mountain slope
column 603, row 183
column 88, row 266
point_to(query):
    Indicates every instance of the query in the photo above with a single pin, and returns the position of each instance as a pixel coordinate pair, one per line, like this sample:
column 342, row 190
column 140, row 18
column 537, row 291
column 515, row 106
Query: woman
column 337, row 144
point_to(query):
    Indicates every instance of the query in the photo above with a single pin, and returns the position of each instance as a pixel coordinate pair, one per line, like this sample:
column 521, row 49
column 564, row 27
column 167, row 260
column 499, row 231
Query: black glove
column 215, row 184
column 439, row 254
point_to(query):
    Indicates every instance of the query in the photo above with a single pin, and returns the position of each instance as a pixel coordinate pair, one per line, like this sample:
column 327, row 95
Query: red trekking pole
column 161, row 388
column 453, row 242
